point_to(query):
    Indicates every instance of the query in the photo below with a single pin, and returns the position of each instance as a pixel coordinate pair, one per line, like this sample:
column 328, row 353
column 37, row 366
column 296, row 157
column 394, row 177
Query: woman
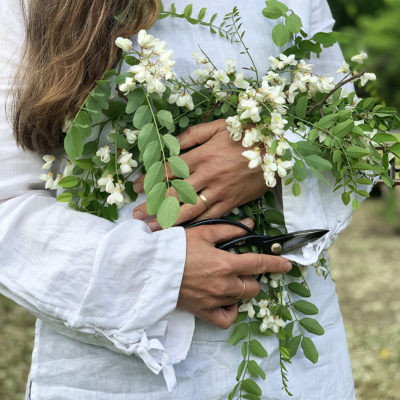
column 104, row 293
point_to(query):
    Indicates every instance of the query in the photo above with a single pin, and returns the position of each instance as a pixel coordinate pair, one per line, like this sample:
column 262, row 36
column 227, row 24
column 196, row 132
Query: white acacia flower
column 141, row 73
column 56, row 181
column 368, row 76
column 145, row 40
column 253, row 156
column 126, row 163
column 200, row 58
column 240, row 81
column 283, row 167
column 48, row 178
column 345, row 68
column 269, row 177
column 131, row 135
column 128, row 86
column 360, row 58
column 68, row 169
column 234, row 127
column 221, row 76
column 156, row 86
column 106, row 184
column 202, row 74
column 116, row 197
column 230, row 66
column 185, row 100
column 283, row 145
column 251, row 137
column 304, row 67
column 104, row 154
column 123, row 43
column 249, row 110
column 67, row 124
column 247, row 307
column 277, row 123
column 48, row 159
column 275, row 94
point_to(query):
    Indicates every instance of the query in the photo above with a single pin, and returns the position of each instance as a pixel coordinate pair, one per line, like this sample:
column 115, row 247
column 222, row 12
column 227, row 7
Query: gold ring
column 243, row 290
column 204, row 200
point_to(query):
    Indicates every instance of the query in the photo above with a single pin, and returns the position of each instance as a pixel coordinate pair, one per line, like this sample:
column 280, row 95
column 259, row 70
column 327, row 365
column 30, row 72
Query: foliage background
column 365, row 260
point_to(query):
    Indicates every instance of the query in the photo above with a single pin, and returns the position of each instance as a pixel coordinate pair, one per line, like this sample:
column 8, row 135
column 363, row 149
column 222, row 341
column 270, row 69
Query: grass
column 365, row 264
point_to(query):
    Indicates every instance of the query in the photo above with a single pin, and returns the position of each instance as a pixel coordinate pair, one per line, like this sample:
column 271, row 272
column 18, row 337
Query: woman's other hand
column 214, row 279
column 218, row 171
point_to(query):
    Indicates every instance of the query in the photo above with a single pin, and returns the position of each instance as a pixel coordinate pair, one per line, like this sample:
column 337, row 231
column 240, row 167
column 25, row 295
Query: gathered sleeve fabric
column 318, row 207
column 100, row 283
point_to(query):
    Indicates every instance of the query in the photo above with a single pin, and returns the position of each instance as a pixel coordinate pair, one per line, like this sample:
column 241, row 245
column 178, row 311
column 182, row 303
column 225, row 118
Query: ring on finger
column 204, row 200
column 243, row 289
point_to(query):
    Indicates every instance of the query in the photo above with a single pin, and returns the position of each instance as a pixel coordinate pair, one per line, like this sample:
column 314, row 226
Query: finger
column 199, row 134
column 217, row 210
column 222, row 317
column 255, row 264
column 222, row 232
column 246, row 287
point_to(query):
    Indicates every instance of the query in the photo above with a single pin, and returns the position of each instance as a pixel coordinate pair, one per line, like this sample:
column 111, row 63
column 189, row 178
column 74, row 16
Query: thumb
column 223, row 317
column 199, row 134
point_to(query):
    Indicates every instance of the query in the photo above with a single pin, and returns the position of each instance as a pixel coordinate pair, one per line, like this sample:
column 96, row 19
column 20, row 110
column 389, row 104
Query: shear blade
column 297, row 240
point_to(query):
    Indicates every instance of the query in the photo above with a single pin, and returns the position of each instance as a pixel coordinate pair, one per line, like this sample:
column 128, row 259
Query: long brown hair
column 69, row 45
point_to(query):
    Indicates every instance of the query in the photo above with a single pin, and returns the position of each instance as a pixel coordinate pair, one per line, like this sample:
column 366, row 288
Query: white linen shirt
column 105, row 294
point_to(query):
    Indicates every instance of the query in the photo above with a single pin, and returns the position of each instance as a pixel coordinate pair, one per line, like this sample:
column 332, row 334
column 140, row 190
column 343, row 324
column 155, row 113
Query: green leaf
column 299, row 170
column 130, row 191
column 64, row 197
column 306, row 148
column 155, row 197
column 172, row 144
column 147, row 134
column 239, row 333
column 384, row 137
column 318, row 162
column 185, row 191
column 257, row 348
column 118, row 140
column 301, row 107
column 296, row 189
column 299, row 289
column 357, row 151
column 166, row 119
column 293, row 22
column 274, row 217
column 73, row 144
column 326, row 39
column 356, row 204
column 364, row 181
column 293, row 345
column 69, row 182
column 135, row 100
column 255, row 369
column 151, row 154
column 328, row 121
column 272, row 12
column 309, row 349
column 202, row 14
column 395, row 149
column 142, row 117
column 285, row 352
column 251, row 387
column 184, row 121
column 243, row 349
column 312, row 326
column 85, row 163
column 187, row 12
column 240, row 369
column 306, row 307
column 280, row 35
column 178, row 167
column 83, row 123
column 154, row 175
column 343, row 128
column 168, row 212
column 346, row 198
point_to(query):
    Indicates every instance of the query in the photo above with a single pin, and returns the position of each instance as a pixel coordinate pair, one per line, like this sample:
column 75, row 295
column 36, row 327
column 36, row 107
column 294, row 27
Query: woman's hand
column 214, row 279
column 218, row 171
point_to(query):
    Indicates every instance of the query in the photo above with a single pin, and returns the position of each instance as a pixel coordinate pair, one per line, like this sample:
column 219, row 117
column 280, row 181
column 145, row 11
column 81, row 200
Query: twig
column 338, row 86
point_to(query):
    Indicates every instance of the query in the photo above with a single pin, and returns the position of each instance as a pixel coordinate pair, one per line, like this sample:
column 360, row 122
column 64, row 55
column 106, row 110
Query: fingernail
column 288, row 266
column 154, row 226
column 138, row 215
column 247, row 221
column 137, row 187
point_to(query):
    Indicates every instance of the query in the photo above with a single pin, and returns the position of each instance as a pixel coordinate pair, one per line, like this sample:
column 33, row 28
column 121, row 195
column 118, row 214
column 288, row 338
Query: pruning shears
column 276, row 245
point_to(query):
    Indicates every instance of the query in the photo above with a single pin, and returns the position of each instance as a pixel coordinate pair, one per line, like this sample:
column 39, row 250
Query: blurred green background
column 365, row 260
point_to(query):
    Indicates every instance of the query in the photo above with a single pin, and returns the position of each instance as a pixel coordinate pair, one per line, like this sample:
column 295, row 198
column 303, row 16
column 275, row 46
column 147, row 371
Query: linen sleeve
column 100, row 283
column 318, row 206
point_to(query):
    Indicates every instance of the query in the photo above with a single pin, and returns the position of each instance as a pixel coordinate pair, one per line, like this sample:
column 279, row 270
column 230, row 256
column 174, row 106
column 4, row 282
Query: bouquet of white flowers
column 138, row 114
